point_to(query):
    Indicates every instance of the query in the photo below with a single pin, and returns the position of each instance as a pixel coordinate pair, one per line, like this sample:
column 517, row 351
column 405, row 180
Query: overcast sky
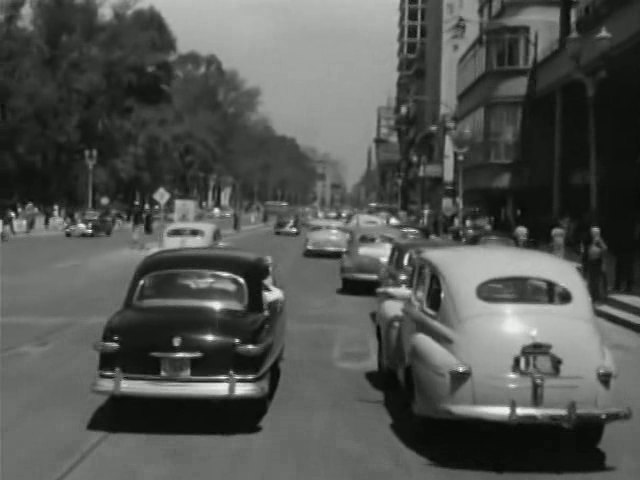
column 323, row 65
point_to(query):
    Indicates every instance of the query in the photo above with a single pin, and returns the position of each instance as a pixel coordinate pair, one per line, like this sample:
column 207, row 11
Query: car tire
column 68, row 235
column 108, row 232
column 347, row 285
column 274, row 379
column 588, row 437
column 253, row 412
column 385, row 376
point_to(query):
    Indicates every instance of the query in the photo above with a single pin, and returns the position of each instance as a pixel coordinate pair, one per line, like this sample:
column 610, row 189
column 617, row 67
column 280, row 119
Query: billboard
column 387, row 153
column 386, row 128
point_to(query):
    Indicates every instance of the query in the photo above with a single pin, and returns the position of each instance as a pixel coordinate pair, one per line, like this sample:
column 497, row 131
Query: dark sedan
column 195, row 324
column 91, row 224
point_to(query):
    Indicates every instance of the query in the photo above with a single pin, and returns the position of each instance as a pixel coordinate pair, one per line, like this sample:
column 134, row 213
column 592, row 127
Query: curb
column 619, row 317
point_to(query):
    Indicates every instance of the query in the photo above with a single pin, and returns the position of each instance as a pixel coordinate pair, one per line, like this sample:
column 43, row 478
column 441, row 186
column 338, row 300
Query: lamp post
column 576, row 48
column 461, row 139
column 90, row 158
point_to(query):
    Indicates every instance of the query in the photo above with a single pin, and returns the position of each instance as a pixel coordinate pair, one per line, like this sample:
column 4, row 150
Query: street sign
column 161, row 196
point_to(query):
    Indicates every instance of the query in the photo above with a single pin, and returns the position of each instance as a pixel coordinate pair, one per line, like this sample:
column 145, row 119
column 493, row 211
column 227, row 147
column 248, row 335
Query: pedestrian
column 236, row 220
column 558, row 245
column 521, row 236
column 137, row 226
column 593, row 250
column 148, row 220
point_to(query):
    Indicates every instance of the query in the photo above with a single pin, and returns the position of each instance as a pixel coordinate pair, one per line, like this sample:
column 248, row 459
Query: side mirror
column 395, row 293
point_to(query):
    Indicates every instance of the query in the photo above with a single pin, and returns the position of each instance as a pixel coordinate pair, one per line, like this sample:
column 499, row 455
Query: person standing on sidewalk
column 593, row 250
column 137, row 226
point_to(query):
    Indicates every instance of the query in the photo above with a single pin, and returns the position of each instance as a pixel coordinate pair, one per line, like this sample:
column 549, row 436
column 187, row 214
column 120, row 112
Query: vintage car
column 491, row 237
column 500, row 334
column 287, row 225
column 366, row 220
column 196, row 324
column 91, row 224
column 326, row 237
column 367, row 252
column 190, row 235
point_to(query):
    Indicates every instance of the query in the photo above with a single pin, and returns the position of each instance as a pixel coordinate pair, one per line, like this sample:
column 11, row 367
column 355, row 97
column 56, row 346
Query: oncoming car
column 195, row 324
column 326, row 237
column 190, row 235
column 505, row 335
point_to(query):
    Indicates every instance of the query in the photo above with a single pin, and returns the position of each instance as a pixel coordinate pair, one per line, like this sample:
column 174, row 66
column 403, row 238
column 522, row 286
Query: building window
column 508, row 49
column 503, row 131
column 475, row 123
column 471, row 66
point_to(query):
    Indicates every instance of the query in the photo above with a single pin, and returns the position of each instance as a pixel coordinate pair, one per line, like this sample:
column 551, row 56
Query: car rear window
column 523, row 290
column 220, row 289
column 185, row 232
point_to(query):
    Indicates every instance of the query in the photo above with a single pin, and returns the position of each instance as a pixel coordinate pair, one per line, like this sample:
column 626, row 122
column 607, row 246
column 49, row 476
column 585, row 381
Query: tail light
column 605, row 376
column 460, row 372
column 260, row 343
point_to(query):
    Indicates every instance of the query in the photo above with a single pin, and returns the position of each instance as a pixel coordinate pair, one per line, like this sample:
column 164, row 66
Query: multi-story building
column 584, row 157
column 492, row 84
column 426, row 98
column 387, row 153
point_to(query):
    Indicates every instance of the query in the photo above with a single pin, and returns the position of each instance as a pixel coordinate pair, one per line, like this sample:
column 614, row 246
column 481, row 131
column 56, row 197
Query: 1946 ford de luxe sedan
column 196, row 324
column 503, row 335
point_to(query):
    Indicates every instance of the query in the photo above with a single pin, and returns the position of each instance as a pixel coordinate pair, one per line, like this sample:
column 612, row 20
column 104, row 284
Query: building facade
column 584, row 161
column 492, row 85
column 426, row 96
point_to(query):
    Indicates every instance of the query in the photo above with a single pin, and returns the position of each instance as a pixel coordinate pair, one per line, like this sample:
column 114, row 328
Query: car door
column 430, row 355
column 411, row 310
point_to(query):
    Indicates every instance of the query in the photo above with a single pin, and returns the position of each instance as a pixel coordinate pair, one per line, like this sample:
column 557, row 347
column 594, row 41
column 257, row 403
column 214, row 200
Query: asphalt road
column 328, row 419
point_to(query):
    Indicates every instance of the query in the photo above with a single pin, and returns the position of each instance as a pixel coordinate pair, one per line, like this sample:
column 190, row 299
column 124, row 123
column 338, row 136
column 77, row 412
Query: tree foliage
column 75, row 74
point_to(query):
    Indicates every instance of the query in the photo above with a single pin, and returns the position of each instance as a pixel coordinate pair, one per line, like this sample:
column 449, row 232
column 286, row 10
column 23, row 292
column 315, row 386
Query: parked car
column 222, row 212
column 195, row 324
column 91, row 224
column 287, row 225
column 367, row 252
column 503, row 335
column 190, row 235
column 326, row 237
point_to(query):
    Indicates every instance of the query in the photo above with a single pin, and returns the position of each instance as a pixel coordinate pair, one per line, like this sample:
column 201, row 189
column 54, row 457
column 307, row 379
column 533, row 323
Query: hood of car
column 184, row 242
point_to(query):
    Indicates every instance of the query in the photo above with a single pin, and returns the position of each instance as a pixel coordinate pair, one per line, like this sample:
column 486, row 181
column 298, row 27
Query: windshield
column 371, row 238
column 217, row 289
column 523, row 290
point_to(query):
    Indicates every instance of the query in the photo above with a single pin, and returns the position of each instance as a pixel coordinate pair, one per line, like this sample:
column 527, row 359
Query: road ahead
column 328, row 419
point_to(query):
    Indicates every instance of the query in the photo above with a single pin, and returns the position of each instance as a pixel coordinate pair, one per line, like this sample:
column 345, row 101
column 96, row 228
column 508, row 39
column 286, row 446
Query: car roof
column 406, row 244
column 376, row 229
column 466, row 267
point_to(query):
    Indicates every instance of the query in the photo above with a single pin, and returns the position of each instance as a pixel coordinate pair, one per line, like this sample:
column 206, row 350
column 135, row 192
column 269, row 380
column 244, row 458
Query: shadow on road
column 487, row 447
column 164, row 417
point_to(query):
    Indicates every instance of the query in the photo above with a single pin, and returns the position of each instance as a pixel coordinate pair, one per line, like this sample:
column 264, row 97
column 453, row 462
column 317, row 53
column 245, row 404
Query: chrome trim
column 106, row 347
column 363, row 277
column 312, row 248
column 232, row 382
column 537, row 390
column 117, row 382
column 176, row 354
column 566, row 417
column 174, row 389
column 605, row 376
column 460, row 371
column 201, row 378
column 252, row 349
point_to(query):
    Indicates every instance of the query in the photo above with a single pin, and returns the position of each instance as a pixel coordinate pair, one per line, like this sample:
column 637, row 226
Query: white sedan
column 504, row 335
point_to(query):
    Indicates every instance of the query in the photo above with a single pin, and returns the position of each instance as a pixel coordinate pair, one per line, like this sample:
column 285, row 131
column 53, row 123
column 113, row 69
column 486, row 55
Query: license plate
column 537, row 359
column 175, row 367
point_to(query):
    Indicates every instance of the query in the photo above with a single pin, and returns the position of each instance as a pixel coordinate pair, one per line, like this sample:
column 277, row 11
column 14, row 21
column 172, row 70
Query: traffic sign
column 161, row 196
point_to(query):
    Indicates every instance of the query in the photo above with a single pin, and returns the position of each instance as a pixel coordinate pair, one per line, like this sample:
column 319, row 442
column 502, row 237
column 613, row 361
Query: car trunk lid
column 539, row 360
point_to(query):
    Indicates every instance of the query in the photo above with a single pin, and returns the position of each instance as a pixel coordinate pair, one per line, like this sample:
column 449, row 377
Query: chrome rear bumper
column 160, row 388
column 325, row 249
column 513, row 414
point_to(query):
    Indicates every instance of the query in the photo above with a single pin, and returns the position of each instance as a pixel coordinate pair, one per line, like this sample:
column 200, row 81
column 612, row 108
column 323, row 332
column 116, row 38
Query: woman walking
column 593, row 250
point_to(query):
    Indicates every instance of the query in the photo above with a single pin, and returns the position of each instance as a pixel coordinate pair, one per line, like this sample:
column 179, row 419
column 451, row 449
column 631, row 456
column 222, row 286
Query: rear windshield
column 523, row 290
column 218, row 289
column 185, row 232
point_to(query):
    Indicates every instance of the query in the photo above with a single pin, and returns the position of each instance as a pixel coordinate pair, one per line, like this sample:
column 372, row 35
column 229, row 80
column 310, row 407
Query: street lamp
column 461, row 139
column 576, row 47
column 90, row 158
